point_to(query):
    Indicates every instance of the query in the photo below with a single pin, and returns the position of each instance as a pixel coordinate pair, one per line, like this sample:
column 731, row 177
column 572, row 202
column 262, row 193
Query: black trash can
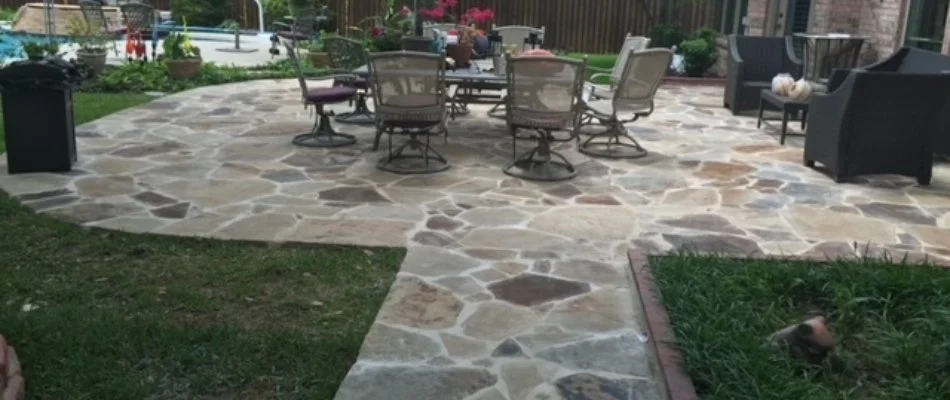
column 38, row 117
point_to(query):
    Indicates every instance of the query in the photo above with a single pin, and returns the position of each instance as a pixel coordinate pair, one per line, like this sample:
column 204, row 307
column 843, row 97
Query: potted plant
column 182, row 58
column 465, row 30
column 318, row 53
column 92, row 45
column 38, row 50
column 385, row 32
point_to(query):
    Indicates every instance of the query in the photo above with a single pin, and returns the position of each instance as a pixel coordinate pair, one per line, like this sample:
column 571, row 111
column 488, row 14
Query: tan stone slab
column 593, row 223
column 362, row 232
column 822, row 224
column 266, row 227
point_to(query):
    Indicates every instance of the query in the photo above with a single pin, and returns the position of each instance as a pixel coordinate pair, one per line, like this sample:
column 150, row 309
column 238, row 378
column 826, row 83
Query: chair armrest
column 336, row 77
column 890, row 64
column 838, row 76
column 598, row 75
column 451, row 92
column 825, row 117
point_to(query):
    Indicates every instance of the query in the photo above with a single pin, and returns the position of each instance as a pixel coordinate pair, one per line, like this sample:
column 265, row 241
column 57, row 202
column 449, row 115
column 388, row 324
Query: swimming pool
column 11, row 43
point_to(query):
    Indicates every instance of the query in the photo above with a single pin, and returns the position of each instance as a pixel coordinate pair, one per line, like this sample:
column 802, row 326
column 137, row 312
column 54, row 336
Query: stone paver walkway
column 511, row 289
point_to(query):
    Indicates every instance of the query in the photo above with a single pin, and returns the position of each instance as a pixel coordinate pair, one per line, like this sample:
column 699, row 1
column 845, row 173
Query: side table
column 788, row 107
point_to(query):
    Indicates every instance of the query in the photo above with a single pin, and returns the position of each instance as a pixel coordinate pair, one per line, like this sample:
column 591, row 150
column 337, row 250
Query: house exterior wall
column 881, row 21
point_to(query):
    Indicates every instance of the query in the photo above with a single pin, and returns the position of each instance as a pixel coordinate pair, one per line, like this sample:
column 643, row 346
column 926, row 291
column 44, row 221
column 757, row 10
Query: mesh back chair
column 140, row 21
column 517, row 34
column 302, row 28
column 410, row 94
column 877, row 123
column 630, row 43
column 639, row 80
column 322, row 134
column 543, row 96
column 347, row 55
column 752, row 63
column 96, row 19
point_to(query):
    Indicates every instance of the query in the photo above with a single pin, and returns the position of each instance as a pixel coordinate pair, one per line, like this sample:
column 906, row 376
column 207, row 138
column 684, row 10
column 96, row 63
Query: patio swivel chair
column 639, row 80
column 411, row 95
column 96, row 20
column 543, row 96
column 877, row 123
column 752, row 63
column 322, row 134
column 630, row 44
column 347, row 55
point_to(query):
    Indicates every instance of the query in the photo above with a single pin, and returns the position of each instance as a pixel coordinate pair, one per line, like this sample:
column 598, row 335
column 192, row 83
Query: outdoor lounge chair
column 753, row 62
column 543, row 96
column 639, row 80
column 909, row 60
column 345, row 56
column 877, row 123
column 96, row 19
column 630, row 43
column 411, row 95
column 322, row 134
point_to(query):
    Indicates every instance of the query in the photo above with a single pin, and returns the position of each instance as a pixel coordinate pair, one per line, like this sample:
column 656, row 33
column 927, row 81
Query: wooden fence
column 592, row 26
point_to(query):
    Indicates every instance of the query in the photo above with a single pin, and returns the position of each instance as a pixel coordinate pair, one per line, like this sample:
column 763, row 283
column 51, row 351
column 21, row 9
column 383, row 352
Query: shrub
column 667, row 35
column 274, row 10
column 200, row 12
column 154, row 77
column 698, row 55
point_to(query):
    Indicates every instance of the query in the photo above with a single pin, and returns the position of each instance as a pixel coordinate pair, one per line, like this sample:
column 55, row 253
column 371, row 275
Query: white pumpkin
column 801, row 91
column 782, row 84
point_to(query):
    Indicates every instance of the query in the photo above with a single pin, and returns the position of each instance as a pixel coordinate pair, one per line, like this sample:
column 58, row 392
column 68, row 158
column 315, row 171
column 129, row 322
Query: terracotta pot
column 319, row 59
column 184, row 69
column 461, row 53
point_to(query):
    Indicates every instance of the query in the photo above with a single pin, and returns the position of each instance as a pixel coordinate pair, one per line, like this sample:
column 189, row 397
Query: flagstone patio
column 511, row 289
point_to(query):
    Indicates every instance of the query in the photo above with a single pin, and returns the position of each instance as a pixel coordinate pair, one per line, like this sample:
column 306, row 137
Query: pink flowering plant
column 385, row 32
column 440, row 11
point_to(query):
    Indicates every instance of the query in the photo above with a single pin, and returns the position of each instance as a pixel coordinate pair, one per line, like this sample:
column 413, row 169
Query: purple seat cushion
column 334, row 94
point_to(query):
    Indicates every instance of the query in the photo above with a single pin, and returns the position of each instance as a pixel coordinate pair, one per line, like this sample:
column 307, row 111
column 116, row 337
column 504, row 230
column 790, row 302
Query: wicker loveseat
column 910, row 60
column 753, row 62
column 877, row 123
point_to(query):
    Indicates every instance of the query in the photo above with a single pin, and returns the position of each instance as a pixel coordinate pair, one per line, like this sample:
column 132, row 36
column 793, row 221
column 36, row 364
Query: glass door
column 925, row 24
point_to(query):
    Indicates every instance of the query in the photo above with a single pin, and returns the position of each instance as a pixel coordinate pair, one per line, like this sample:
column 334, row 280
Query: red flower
column 448, row 3
column 376, row 32
column 406, row 11
column 433, row 14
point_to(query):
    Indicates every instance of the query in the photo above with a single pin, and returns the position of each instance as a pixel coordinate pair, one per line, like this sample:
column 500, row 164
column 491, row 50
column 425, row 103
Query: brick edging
column 677, row 385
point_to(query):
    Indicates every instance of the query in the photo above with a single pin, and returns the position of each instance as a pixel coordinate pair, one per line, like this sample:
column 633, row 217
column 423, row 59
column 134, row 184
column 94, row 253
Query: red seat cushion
column 328, row 95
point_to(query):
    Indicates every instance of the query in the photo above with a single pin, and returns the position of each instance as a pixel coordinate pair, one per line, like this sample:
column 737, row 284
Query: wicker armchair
column 347, row 55
column 877, row 123
column 96, row 19
column 753, row 62
column 517, row 34
column 639, row 80
column 322, row 134
column 411, row 95
column 630, row 44
column 909, row 60
column 543, row 96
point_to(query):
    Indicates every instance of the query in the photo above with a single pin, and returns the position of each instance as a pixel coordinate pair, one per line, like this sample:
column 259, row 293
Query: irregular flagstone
column 585, row 386
column 402, row 383
column 522, row 376
column 600, row 311
column 106, row 186
column 358, row 194
column 621, row 354
column 361, row 232
column 548, row 336
column 494, row 216
column 215, row 192
column 391, row 211
column 91, row 212
column 691, row 197
column 264, row 227
column 462, row 285
column 594, row 223
column 198, row 225
column 463, row 347
column 704, row 222
column 722, row 171
column 592, row 271
column 510, row 238
column 532, row 289
column 897, row 213
column 496, row 320
column 150, row 149
column 416, row 304
column 386, row 343
column 434, row 261
column 820, row 224
column 718, row 244
column 508, row 348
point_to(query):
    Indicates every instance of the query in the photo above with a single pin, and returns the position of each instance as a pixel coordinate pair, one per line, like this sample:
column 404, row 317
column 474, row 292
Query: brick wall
column 757, row 11
column 882, row 21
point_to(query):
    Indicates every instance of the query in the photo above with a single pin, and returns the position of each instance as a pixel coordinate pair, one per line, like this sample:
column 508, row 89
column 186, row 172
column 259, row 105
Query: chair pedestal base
column 541, row 163
column 361, row 115
column 413, row 157
column 614, row 142
column 323, row 135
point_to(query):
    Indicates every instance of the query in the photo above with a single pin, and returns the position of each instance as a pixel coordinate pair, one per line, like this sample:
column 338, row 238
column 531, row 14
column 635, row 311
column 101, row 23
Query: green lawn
column 92, row 106
column 97, row 315
column 892, row 324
